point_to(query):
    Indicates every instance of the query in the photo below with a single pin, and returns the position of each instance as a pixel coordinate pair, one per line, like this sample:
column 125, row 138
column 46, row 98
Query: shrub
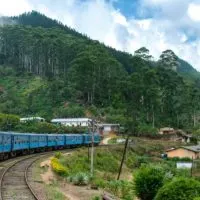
column 99, row 182
column 179, row 189
column 121, row 188
column 58, row 167
column 58, row 155
column 8, row 122
column 147, row 131
column 148, row 180
column 96, row 198
column 80, row 179
column 69, row 179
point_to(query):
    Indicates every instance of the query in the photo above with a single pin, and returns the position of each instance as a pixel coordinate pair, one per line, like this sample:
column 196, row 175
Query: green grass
column 53, row 193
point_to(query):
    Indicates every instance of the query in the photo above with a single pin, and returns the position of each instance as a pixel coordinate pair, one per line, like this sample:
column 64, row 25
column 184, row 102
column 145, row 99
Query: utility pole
column 123, row 157
column 88, row 143
column 92, row 151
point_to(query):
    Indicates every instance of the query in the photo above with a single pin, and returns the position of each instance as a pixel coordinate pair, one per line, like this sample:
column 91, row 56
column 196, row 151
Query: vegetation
column 148, row 180
column 53, row 193
column 11, row 122
column 179, row 189
column 50, row 70
column 58, row 167
column 8, row 122
column 106, row 164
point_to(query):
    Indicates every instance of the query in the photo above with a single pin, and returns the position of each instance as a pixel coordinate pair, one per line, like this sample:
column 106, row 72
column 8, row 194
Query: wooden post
column 123, row 157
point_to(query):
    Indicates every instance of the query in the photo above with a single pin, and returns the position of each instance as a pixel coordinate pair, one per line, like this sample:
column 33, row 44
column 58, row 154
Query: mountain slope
column 48, row 69
column 36, row 19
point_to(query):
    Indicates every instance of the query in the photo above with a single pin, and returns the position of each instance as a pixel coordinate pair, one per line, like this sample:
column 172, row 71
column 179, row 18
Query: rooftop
column 31, row 118
column 191, row 148
column 71, row 120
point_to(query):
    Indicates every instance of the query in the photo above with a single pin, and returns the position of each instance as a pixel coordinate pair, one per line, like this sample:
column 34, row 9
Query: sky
column 126, row 25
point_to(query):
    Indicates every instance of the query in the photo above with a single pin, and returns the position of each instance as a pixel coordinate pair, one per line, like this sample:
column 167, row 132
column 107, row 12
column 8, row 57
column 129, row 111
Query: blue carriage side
column 5, row 142
column 56, row 140
column 12, row 144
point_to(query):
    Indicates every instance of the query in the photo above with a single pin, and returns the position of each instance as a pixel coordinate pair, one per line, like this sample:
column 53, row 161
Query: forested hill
column 36, row 19
column 50, row 70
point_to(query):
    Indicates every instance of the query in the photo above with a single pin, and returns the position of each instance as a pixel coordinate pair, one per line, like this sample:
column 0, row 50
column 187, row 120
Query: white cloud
column 14, row 7
column 194, row 11
column 171, row 23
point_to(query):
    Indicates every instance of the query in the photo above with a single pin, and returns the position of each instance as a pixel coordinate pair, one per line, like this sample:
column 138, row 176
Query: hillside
column 50, row 70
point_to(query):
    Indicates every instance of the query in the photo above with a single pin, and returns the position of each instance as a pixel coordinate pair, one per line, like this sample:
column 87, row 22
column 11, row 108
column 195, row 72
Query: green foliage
column 122, row 189
column 96, row 198
column 147, row 130
column 53, row 71
column 53, row 192
column 135, row 161
column 58, row 155
column 8, row 122
column 176, row 159
column 148, row 180
column 45, row 127
column 99, row 182
column 179, row 189
column 80, row 179
column 71, row 111
column 106, row 162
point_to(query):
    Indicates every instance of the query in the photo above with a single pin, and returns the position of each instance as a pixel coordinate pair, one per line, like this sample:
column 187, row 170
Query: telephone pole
column 123, row 157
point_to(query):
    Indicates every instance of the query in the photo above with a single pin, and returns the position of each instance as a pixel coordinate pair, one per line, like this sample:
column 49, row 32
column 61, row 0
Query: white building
column 72, row 121
column 26, row 119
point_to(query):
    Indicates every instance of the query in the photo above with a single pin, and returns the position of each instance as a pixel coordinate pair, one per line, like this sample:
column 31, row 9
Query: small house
column 105, row 129
column 192, row 152
column 166, row 130
column 73, row 122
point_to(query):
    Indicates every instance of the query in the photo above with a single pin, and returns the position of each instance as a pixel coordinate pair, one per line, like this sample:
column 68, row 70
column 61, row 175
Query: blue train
column 12, row 144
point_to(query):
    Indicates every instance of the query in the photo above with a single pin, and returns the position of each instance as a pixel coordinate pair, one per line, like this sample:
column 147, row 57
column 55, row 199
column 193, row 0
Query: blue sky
column 126, row 24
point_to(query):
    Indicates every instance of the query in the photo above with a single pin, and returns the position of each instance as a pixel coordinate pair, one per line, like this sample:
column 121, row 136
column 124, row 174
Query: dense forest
column 50, row 70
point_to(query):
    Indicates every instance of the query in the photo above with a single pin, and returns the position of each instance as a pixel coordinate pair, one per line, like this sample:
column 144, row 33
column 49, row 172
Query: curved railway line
column 14, row 180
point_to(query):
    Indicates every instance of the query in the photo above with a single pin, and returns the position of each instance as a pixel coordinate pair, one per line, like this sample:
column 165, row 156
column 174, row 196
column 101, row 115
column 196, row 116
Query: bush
column 71, row 111
column 179, row 189
column 81, row 179
column 58, row 167
column 147, row 131
column 37, row 127
column 148, row 180
column 96, row 198
column 120, row 188
column 8, row 122
column 58, row 155
column 99, row 182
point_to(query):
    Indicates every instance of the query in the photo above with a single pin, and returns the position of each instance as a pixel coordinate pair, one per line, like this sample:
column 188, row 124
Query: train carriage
column 5, row 142
column 42, row 138
column 38, row 141
column 12, row 143
column 20, row 141
column 74, row 139
column 56, row 140
column 87, row 139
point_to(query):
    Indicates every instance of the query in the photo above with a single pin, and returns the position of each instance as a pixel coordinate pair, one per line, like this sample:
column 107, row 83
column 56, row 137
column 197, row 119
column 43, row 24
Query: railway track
column 14, row 178
column 14, row 183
